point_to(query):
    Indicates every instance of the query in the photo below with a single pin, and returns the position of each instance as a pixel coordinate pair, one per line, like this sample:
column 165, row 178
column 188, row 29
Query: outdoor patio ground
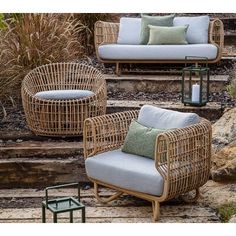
column 24, row 205
column 28, row 161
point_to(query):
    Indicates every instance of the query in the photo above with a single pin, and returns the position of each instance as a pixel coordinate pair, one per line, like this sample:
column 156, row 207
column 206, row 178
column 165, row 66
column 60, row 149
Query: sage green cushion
column 141, row 140
column 153, row 20
column 167, row 35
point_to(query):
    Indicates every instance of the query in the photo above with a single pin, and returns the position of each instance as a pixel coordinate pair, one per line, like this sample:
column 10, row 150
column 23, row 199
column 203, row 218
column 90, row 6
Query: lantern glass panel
column 195, row 85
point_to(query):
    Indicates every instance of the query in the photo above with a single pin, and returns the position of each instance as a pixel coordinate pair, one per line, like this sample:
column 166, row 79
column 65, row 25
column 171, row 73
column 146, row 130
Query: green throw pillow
column 167, row 35
column 141, row 140
column 153, row 20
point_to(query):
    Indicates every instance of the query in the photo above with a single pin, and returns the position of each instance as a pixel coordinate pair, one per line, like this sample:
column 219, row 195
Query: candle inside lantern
column 195, row 93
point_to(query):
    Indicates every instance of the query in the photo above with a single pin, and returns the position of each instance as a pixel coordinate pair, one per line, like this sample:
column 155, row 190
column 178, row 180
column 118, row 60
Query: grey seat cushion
column 159, row 118
column 156, row 52
column 64, row 94
column 125, row 170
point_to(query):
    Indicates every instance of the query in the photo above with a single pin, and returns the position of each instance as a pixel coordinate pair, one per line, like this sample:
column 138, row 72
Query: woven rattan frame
column 107, row 33
column 182, row 156
column 62, row 117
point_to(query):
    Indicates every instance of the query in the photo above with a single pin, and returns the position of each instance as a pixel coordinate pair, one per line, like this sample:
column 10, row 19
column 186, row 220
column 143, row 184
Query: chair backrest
column 64, row 76
column 159, row 118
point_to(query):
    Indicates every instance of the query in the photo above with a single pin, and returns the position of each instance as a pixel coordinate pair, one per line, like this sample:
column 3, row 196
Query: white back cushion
column 198, row 28
column 159, row 118
column 129, row 31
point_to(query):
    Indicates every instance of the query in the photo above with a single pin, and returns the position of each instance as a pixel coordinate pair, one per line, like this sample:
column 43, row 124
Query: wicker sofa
column 58, row 97
column 181, row 164
column 108, row 50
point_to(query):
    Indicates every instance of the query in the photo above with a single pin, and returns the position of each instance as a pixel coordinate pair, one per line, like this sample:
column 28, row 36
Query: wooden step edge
column 39, row 149
column 174, row 105
column 161, row 78
column 212, row 111
column 28, row 135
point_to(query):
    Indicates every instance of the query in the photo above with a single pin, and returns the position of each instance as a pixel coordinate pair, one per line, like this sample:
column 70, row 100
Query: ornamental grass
column 31, row 40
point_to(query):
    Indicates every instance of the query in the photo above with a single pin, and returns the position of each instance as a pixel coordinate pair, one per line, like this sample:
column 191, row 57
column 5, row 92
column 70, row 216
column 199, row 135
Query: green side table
column 60, row 205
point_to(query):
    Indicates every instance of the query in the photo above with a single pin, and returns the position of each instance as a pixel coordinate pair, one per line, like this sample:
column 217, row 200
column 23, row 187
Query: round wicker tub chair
column 62, row 116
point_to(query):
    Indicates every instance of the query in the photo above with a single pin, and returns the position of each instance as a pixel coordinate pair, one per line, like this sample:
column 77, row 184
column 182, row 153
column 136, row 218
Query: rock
column 224, row 130
column 19, row 140
column 10, row 141
column 233, row 219
column 224, row 147
column 216, row 194
column 224, row 164
column 86, row 187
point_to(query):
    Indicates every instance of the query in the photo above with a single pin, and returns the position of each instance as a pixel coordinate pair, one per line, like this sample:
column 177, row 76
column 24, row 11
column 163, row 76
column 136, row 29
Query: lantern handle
column 62, row 186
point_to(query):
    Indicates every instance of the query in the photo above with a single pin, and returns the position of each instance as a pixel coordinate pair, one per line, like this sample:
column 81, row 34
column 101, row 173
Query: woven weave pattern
column 62, row 117
column 107, row 33
column 182, row 156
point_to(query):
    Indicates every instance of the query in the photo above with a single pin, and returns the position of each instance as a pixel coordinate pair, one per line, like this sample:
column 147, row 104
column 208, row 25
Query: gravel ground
column 223, row 97
column 15, row 119
column 223, row 68
column 12, row 117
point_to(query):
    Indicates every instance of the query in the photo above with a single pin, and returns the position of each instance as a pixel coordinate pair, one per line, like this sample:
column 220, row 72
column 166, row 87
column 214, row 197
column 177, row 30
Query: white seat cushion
column 159, row 118
column 156, row 52
column 197, row 28
column 129, row 30
column 125, row 170
column 64, row 94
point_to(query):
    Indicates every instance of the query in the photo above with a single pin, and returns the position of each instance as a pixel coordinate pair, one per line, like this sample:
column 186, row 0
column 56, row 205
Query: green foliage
column 2, row 24
column 227, row 211
column 231, row 90
column 86, row 32
column 31, row 40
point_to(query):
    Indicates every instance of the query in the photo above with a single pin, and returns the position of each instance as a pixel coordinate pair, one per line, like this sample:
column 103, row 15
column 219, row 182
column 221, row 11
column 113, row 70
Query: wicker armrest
column 105, row 33
column 107, row 132
column 183, row 158
column 216, row 34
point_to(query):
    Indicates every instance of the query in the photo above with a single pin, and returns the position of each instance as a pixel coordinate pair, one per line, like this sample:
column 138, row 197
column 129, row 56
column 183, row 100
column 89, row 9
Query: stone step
column 211, row 111
column 40, row 149
column 229, row 22
column 229, row 38
column 41, row 172
column 118, row 214
column 157, row 83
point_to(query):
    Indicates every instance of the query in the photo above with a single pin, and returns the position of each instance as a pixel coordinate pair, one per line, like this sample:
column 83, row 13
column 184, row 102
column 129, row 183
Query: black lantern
column 195, row 83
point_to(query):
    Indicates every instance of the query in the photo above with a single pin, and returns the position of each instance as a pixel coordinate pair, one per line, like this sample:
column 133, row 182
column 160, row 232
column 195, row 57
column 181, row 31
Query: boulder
column 224, row 147
column 224, row 164
column 224, row 130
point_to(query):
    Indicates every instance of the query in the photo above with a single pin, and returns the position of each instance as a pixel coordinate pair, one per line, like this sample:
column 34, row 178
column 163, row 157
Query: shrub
column 86, row 32
column 2, row 25
column 30, row 40
column 227, row 211
column 231, row 88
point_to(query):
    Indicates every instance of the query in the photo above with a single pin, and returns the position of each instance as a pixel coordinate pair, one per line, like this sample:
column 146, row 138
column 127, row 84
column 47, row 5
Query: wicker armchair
column 182, row 157
column 48, row 117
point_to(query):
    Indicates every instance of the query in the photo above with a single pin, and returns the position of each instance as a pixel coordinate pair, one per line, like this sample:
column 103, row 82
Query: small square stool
column 60, row 205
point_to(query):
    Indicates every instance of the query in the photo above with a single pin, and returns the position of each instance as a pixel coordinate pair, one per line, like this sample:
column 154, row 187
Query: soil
column 12, row 117
column 15, row 118
column 224, row 67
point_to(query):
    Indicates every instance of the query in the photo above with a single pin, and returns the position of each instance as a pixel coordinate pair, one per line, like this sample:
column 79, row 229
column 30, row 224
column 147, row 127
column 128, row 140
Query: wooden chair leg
column 156, row 210
column 118, row 69
column 105, row 200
